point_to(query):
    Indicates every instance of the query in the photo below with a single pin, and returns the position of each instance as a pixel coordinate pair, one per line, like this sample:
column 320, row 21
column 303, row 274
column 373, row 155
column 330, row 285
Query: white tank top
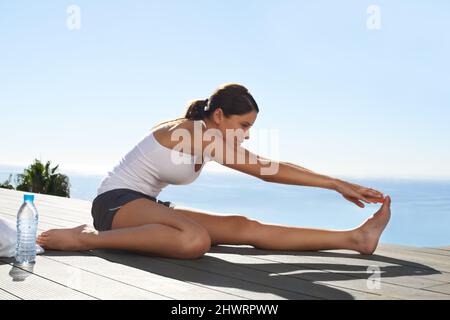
column 149, row 167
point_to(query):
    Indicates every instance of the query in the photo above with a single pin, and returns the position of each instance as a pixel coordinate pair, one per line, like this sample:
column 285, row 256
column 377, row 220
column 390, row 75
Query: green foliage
column 40, row 178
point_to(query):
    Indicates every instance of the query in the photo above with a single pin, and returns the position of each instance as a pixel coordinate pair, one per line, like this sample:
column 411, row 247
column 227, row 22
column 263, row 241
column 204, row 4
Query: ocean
column 420, row 208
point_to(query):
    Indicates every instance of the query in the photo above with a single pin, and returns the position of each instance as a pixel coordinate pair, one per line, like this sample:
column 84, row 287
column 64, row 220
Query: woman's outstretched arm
column 289, row 173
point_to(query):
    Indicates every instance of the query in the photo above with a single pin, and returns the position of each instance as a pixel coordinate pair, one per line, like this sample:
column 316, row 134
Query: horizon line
column 227, row 171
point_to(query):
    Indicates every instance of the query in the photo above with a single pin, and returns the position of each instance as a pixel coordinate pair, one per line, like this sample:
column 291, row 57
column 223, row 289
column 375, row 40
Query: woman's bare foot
column 71, row 239
column 368, row 234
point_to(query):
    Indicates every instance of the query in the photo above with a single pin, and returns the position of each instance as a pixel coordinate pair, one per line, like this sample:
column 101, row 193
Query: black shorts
column 106, row 205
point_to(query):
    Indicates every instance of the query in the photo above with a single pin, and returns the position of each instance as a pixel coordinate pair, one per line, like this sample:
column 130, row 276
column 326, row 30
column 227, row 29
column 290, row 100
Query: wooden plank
column 68, row 204
column 149, row 274
column 4, row 295
column 423, row 264
column 70, row 210
column 32, row 287
column 441, row 263
column 443, row 288
column 90, row 283
column 443, row 250
column 401, row 292
column 436, row 251
column 348, row 264
column 42, row 225
column 327, row 271
column 56, row 221
column 14, row 194
column 272, row 275
column 52, row 213
column 424, row 250
column 387, row 289
column 243, row 287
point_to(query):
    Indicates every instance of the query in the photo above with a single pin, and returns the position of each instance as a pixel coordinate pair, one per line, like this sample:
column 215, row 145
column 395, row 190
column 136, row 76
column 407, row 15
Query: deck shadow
column 279, row 278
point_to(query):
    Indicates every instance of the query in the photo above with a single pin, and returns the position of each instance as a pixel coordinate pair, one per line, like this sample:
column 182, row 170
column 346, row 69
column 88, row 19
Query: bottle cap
column 28, row 197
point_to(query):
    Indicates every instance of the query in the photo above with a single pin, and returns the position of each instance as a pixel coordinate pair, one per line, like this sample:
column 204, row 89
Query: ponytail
column 196, row 110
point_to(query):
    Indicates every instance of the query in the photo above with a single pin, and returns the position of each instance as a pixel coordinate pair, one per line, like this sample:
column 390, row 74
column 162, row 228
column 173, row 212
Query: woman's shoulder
column 180, row 123
column 169, row 123
column 164, row 132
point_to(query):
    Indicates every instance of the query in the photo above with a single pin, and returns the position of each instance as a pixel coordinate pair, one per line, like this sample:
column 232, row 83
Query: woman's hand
column 356, row 193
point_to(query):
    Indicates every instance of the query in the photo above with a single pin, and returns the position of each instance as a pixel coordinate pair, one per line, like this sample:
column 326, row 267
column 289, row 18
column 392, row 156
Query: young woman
column 127, row 214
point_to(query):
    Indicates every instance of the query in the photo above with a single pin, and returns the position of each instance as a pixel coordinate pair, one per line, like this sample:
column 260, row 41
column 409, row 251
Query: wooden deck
column 226, row 272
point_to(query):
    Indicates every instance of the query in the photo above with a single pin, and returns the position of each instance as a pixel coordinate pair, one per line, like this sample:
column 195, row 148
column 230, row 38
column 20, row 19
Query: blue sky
column 346, row 100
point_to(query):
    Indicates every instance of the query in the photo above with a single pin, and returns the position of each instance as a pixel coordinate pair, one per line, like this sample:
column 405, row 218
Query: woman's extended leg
column 241, row 230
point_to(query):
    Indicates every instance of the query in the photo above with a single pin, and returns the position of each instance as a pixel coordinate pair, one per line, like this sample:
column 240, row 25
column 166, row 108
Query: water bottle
column 27, row 221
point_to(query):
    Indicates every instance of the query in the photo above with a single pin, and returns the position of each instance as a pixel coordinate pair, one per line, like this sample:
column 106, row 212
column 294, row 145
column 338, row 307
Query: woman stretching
column 127, row 214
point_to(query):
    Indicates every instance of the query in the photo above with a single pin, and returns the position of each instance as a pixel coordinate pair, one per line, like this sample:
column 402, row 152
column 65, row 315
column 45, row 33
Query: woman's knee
column 195, row 244
column 243, row 228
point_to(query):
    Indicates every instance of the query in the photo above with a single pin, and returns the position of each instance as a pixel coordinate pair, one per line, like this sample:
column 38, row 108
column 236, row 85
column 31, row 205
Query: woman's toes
column 41, row 243
column 42, row 236
column 42, row 239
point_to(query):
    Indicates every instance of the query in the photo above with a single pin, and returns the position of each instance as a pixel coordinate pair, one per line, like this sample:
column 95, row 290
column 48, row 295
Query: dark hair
column 232, row 98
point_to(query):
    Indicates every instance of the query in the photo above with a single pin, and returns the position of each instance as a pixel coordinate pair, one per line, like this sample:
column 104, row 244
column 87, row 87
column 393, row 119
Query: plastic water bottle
column 27, row 221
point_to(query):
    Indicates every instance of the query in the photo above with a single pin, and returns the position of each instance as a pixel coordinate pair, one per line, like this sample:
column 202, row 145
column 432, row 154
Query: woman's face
column 238, row 125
